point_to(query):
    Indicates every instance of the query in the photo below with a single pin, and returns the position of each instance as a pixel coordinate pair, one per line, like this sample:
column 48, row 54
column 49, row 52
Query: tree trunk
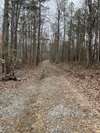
column 5, row 55
column 39, row 35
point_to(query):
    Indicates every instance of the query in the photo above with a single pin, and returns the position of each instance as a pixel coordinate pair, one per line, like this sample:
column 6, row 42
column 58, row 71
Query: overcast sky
column 51, row 5
column 77, row 2
column 1, row 3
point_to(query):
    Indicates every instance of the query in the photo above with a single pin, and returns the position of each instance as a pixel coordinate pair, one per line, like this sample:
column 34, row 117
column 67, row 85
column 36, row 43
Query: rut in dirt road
column 50, row 103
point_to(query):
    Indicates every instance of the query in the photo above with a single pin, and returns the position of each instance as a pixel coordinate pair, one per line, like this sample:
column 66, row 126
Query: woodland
column 50, row 66
column 74, row 37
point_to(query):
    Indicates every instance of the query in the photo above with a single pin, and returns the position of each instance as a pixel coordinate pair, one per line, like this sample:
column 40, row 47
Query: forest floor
column 51, row 99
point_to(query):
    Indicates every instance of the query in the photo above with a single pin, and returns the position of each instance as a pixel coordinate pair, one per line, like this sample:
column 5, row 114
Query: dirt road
column 48, row 102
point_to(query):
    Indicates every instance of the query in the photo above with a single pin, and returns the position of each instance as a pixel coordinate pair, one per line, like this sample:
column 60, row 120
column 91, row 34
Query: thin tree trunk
column 39, row 35
column 5, row 67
